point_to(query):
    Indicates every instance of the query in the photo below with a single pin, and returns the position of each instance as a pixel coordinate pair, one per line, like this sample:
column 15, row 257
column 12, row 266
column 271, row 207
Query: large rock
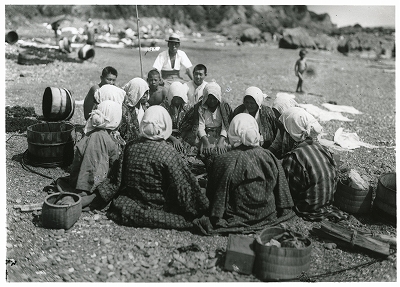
column 325, row 42
column 382, row 46
column 296, row 38
column 251, row 35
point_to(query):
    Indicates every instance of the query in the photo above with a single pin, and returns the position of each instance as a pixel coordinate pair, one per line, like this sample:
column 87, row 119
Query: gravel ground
column 96, row 249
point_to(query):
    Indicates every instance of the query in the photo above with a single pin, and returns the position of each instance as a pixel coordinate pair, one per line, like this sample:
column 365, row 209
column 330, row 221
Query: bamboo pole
column 140, row 49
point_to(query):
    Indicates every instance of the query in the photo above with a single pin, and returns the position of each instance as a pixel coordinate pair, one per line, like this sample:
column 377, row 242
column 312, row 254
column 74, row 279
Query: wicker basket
column 61, row 216
column 385, row 199
column 352, row 200
column 274, row 263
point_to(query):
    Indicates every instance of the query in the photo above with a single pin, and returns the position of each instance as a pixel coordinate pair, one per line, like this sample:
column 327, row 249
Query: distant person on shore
column 108, row 76
column 196, row 86
column 299, row 68
column 90, row 32
column 157, row 93
column 169, row 62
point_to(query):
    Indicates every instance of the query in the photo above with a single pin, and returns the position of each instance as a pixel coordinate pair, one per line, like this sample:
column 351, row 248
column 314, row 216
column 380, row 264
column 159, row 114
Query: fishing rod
column 140, row 49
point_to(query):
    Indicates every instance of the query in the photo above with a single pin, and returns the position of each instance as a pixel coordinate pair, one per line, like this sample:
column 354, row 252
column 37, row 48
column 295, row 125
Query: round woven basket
column 56, row 216
column 352, row 200
column 274, row 263
column 385, row 199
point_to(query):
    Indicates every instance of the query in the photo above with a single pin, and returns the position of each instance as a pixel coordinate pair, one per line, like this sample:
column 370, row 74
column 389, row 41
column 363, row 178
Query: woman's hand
column 221, row 148
column 177, row 144
column 206, row 147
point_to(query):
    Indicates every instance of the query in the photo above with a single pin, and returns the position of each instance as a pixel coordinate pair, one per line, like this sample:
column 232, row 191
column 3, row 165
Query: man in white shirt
column 196, row 86
column 169, row 62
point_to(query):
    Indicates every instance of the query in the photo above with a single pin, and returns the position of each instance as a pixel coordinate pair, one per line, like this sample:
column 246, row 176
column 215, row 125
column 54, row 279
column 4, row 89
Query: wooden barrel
column 385, row 199
column 352, row 200
column 57, row 104
column 86, row 52
column 61, row 216
column 274, row 263
column 51, row 143
column 11, row 37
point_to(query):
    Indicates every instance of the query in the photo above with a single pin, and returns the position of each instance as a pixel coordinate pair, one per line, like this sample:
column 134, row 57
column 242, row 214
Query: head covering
column 256, row 94
column 300, row 124
column 106, row 116
column 156, row 123
column 109, row 92
column 281, row 104
column 214, row 89
column 244, row 130
column 174, row 37
column 135, row 90
column 177, row 89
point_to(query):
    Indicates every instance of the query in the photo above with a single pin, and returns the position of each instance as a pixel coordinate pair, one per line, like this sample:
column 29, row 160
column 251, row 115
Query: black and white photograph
column 156, row 142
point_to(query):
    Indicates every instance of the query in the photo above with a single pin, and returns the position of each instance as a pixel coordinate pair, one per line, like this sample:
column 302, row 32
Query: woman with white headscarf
column 310, row 129
column 158, row 189
column 282, row 142
column 133, row 108
column 246, row 186
column 96, row 154
column 252, row 104
column 177, row 106
column 309, row 168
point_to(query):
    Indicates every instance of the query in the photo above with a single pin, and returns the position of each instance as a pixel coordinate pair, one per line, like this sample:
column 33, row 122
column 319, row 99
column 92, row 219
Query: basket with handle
column 274, row 263
column 56, row 216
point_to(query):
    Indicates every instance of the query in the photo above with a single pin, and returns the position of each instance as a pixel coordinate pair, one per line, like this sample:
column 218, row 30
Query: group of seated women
column 264, row 164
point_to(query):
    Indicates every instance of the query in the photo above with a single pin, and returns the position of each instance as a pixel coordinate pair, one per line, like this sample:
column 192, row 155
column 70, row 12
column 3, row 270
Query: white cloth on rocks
column 324, row 115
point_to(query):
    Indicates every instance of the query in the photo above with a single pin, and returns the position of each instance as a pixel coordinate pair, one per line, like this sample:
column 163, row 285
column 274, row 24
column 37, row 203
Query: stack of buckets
column 51, row 143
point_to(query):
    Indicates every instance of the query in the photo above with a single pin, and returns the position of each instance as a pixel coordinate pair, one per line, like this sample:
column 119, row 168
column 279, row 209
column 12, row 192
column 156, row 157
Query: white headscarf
column 211, row 88
column 109, row 92
column 281, row 104
column 156, row 123
column 256, row 94
column 135, row 90
column 107, row 115
column 177, row 89
column 244, row 130
column 300, row 124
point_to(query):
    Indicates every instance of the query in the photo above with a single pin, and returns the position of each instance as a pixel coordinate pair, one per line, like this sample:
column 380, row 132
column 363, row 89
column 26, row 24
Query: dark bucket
column 385, row 199
column 11, row 37
column 57, row 104
column 86, row 52
column 50, row 144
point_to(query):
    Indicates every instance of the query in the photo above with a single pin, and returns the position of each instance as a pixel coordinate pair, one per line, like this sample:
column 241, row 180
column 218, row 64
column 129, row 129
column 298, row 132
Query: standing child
column 157, row 93
column 108, row 76
column 299, row 68
column 196, row 86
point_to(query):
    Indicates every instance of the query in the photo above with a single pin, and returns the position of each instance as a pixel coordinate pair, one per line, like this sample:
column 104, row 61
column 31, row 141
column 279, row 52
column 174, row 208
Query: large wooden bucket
column 11, row 37
column 385, row 199
column 274, row 263
column 51, row 143
column 86, row 52
column 352, row 200
column 57, row 104
column 61, row 216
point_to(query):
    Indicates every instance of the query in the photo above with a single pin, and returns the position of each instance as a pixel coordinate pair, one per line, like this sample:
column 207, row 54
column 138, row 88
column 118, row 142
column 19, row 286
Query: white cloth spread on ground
column 349, row 140
column 341, row 108
column 285, row 95
column 324, row 115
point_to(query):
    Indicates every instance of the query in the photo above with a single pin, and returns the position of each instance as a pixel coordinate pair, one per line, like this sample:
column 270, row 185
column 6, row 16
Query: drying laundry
column 324, row 115
column 341, row 109
column 350, row 140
